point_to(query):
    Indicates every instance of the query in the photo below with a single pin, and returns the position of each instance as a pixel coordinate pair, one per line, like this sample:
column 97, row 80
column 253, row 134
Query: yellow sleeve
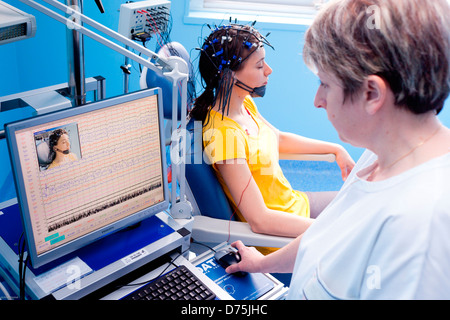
column 224, row 143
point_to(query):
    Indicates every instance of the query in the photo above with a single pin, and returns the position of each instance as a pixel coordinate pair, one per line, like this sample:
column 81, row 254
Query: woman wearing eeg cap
column 242, row 146
column 385, row 235
column 59, row 143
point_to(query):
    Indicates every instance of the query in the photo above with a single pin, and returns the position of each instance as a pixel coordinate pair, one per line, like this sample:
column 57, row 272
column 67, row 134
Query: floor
column 312, row 175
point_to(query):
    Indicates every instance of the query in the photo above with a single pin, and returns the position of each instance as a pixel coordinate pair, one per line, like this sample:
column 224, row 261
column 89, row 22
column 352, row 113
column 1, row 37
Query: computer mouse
column 226, row 258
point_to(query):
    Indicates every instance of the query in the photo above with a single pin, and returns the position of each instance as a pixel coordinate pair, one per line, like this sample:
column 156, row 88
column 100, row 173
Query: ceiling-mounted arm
column 173, row 68
column 160, row 62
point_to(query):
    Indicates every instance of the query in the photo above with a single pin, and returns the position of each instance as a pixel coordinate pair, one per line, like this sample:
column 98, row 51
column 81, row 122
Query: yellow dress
column 225, row 139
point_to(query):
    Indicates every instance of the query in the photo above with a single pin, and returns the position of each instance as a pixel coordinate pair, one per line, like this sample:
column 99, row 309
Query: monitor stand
column 93, row 267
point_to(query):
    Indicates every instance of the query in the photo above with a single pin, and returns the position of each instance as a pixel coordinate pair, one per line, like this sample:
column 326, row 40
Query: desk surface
column 226, row 287
column 106, row 259
column 177, row 260
column 256, row 285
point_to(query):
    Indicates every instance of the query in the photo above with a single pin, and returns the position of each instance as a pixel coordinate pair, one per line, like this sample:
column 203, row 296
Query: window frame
column 282, row 12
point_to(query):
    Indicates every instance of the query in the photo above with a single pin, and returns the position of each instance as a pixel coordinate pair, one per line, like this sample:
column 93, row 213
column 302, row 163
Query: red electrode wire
column 157, row 32
column 240, row 200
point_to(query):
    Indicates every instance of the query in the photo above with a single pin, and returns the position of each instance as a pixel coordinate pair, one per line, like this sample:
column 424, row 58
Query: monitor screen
column 87, row 171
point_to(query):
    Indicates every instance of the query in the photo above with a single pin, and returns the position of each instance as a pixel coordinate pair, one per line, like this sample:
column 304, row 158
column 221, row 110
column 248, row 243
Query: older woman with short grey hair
column 384, row 68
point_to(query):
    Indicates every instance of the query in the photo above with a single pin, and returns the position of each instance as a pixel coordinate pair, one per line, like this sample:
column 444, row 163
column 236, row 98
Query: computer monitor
column 85, row 172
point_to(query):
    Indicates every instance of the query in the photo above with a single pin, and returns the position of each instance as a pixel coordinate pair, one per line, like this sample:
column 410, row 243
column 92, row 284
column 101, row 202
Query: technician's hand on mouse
column 250, row 259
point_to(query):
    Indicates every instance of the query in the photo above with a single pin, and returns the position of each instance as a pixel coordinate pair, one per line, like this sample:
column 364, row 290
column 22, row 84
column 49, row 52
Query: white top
column 387, row 239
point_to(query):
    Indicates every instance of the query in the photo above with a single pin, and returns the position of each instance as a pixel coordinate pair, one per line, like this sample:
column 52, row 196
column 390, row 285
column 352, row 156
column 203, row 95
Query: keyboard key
column 178, row 284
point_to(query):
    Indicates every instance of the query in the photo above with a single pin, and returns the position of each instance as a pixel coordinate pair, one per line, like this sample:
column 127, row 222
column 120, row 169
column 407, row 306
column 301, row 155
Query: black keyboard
column 178, row 284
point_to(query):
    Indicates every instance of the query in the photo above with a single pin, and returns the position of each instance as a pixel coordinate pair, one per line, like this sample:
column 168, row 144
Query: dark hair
column 53, row 141
column 223, row 51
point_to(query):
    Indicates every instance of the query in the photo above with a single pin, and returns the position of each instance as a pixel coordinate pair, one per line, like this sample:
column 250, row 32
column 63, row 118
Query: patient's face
column 255, row 71
column 63, row 143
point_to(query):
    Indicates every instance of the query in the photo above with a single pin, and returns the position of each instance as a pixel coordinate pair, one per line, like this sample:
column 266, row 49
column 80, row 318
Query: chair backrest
column 152, row 79
column 206, row 189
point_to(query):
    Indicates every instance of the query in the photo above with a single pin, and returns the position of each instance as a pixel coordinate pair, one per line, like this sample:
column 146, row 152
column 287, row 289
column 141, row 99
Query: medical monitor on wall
column 88, row 171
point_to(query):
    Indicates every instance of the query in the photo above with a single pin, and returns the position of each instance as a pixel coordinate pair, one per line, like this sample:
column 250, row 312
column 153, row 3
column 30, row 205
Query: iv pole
column 173, row 68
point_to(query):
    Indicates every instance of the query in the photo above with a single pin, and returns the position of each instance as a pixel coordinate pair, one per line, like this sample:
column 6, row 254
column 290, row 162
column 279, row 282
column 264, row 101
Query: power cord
column 202, row 244
column 22, row 267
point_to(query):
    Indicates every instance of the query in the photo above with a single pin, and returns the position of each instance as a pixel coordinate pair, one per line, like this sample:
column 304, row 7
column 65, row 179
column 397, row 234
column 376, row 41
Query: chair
column 213, row 215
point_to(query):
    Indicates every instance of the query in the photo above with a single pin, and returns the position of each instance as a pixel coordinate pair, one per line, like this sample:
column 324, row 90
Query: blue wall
column 288, row 104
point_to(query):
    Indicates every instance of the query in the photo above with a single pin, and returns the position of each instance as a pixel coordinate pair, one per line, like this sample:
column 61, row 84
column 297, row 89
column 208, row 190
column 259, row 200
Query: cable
column 22, row 267
column 171, row 262
column 240, row 200
column 155, row 29
column 202, row 244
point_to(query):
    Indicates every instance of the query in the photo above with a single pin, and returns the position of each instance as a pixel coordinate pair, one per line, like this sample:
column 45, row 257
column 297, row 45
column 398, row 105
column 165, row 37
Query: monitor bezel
column 38, row 260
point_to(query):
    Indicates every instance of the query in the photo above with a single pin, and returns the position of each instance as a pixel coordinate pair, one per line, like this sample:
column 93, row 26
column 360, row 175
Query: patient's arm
column 247, row 196
column 294, row 143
